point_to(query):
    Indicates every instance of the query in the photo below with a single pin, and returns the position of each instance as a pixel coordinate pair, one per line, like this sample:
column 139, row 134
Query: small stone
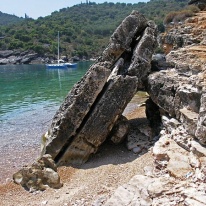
column 44, row 202
column 189, row 174
column 194, row 161
column 148, row 171
column 8, row 180
column 137, row 150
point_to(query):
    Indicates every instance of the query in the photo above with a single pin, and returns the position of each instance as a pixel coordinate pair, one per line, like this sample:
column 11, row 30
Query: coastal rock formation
column 95, row 104
column 26, row 57
column 92, row 110
column 177, row 107
column 192, row 32
column 177, row 178
column 179, row 90
column 18, row 57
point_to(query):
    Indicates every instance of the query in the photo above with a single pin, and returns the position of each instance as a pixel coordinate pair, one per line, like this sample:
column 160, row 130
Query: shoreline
column 23, row 150
column 112, row 166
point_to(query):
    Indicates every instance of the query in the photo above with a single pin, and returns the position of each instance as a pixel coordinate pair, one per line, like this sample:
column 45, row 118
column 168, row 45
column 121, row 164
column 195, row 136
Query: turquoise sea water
column 30, row 95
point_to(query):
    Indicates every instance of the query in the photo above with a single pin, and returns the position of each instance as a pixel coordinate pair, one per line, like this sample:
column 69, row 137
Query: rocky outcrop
column 176, row 178
column 177, row 107
column 94, row 105
column 40, row 175
column 18, row 57
column 179, row 90
column 191, row 32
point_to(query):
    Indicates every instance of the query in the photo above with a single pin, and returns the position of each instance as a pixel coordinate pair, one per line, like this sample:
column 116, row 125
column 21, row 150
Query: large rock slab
column 74, row 109
column 93, row 106
column 141, row 60
column 101, row 120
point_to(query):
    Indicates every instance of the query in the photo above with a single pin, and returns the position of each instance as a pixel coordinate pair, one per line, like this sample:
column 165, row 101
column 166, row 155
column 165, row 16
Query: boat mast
column 58, row 47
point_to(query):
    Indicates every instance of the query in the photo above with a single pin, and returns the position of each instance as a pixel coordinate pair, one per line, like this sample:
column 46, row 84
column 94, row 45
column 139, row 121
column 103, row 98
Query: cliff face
column 177, row 110
column 180, row 90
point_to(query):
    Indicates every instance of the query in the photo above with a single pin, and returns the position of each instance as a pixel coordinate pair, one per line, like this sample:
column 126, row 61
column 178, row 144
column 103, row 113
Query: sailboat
column 60, row 64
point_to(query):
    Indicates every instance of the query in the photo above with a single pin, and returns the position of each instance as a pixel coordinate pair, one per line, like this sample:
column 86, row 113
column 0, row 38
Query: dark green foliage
column 84, row 28
column 6, row 19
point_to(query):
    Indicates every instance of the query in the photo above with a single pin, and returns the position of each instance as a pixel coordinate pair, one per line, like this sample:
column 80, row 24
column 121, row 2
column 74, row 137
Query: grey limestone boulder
column 94, row 105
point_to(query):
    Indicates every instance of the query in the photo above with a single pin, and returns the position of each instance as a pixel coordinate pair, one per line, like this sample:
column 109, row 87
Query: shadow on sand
column 110, row 153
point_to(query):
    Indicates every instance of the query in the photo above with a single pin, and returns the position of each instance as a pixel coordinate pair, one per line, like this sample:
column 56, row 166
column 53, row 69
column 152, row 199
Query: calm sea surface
column 30, row 95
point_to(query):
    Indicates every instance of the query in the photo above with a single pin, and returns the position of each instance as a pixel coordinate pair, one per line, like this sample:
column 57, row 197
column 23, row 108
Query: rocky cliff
column 177, row 92
column 19, row 57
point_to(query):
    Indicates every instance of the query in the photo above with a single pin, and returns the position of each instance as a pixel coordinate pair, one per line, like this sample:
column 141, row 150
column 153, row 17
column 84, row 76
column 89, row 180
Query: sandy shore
column 112, row 166
column 21, row 143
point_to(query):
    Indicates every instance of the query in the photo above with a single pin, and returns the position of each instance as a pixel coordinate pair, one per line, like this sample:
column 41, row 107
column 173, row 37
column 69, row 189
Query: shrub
column 182, row 15
column 178, row 16
column 169, row 18
column 193, row 8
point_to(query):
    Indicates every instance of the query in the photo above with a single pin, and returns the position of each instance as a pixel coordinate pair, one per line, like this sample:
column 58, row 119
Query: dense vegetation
column 84, row 28
column 6, row 19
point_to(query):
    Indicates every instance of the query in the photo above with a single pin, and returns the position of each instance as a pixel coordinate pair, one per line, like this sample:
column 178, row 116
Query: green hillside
column 84, row 28
column 6, row 19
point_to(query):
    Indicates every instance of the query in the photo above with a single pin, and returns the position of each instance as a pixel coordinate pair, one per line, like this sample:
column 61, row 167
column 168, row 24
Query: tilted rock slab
column 94, row 105
column 101, row 119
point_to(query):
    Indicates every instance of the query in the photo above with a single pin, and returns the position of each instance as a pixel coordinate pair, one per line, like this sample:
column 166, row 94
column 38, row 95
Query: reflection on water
column 30, row 94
